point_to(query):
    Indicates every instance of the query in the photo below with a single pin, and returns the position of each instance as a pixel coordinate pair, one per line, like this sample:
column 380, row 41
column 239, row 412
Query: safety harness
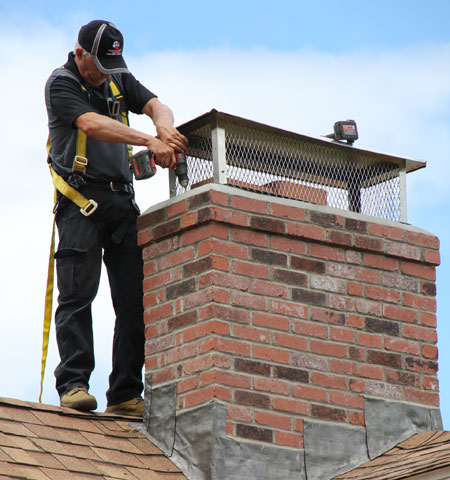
column 87, row 208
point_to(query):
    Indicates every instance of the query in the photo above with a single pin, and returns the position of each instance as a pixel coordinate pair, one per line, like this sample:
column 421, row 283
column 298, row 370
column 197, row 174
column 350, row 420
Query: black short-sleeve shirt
column 66, row 100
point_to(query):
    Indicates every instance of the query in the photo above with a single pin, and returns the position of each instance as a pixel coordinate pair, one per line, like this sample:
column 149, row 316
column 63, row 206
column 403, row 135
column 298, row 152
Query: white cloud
column 399, row 99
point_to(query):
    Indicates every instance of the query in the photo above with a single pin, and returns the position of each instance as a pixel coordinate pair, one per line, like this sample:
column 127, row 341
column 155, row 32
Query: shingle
column 41, row 442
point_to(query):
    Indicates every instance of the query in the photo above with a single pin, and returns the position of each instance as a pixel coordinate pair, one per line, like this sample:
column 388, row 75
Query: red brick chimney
column 284, row 339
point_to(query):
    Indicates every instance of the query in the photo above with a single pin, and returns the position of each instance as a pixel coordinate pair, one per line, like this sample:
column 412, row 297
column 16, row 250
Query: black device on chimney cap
column 345, row 130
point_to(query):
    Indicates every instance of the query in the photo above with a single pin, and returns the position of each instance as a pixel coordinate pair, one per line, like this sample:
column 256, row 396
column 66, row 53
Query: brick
column 290, row 278
column 341, row 270
column 181, row 353
column 163, row 376
column 340, row 302
column 293, row 406
column 377, row 325
column 307, row 265
column 250, row 269
column 176, row 208
column 268, row 224
column 429, row 351
column 186, row 385
column 400, row 313
column 310, row 329
column 156, row 281
column 239, row 414
column 354, row 225
column 432, row 257
column 329, row 284
column 357, row 418
column 252, row 302
column 418, row 270
column 431, row 384
column 229, row 216
column 306, row 231
column 368, row 243
column 287, row 439
column 370, row 340
column 325, row 219
column 181, row 321
column 222, row 279
column 254, row 433
column 400, row 249
column 428, row 319
column 428, row 288
column 339, row 238
column 329, row 381
column 291, row 309
column 159, row 344
column 326, row 252
column 402, row 345
column 342, row 335
column 197, row 267
column 383, row 294
column 166, row 229
column 400, row 282
column 158, row 249
column 295, row 246
column 310, row 297
column 180, row 289
column 189, row 220
column 384, row 231
column 420, row 333
column 382, row 358
column 355, row 289
column 355, row 321
column 199, row 200
column 290, row 341
column 384, row 390
column 310, row 393
column 232, row 346
column 250, row 237
column 199, row 396
column 251, row 205
column 252, row 399
column 231, row 314
column 368, row 307
column 314, row 362
column 231, row 379
column 425, row 398
column 270, row 321
column 424, row 240
column 343, row 367
column 369, row 371
column 230, row 249
column 368, row 276
column 347, row 400
column 402, row 378
column 271, row 354
column 153, row 218
column 271, row 386
column 251, row 366
column 251, row 333
column 355, row 353
column 269, row 289
column 328, row 413
column 380, row 262
column 269, row 257
column 327, row 316
column 292, row 374
column 198, row 364
column 419, row 365
column 287, row 211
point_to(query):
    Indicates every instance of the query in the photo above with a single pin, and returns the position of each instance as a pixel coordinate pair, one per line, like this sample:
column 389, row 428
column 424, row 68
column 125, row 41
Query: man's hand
column 164, row 154
column 172, row 137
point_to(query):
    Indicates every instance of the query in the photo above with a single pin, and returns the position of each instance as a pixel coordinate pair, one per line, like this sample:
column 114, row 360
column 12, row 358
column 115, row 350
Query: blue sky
column 299, row 65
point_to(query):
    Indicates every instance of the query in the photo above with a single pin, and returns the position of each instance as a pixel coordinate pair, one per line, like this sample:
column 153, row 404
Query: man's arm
column 163, row 119
column 106, row 129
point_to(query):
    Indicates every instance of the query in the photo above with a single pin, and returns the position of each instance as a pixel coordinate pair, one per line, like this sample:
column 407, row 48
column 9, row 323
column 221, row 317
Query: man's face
column 89, row 71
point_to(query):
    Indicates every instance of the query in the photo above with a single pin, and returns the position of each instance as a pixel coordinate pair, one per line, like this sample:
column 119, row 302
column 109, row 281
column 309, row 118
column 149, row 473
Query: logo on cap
column 116, row 49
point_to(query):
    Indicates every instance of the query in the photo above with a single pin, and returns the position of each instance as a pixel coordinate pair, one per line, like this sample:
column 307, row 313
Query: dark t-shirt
column 66, row 101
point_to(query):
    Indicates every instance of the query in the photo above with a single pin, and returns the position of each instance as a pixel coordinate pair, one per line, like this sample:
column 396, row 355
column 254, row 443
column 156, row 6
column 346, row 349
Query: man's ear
column 78, row 52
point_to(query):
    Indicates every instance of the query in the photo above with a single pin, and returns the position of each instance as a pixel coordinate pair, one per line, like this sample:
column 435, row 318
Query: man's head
column 104, row 42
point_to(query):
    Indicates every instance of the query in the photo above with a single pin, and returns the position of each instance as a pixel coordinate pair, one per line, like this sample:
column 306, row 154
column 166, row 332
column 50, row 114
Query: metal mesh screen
column 290, row 166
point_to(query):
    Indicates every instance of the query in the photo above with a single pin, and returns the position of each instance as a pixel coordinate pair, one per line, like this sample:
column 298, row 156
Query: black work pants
column 82, row 242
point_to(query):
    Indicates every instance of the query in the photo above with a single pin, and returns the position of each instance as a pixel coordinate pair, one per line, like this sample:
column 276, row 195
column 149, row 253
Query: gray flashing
column 389, row 422
column 331, row 449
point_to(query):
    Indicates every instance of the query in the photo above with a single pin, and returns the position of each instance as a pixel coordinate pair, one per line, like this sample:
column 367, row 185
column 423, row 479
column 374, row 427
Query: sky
column 293, row 64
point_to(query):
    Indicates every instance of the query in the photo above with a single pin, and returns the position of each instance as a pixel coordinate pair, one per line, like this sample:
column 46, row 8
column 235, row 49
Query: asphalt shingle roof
column 43, row 442
column 421, row 453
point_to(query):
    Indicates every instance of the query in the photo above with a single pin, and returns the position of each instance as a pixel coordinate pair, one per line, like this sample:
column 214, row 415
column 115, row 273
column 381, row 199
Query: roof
column 43, row 442
column 422, row 453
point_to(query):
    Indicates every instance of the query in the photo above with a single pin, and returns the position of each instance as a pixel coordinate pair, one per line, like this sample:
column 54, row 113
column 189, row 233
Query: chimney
column 290, row 311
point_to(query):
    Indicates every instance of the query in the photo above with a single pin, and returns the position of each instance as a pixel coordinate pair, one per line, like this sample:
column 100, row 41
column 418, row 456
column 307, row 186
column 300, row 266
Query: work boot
column 131, row 408
column 79, row 399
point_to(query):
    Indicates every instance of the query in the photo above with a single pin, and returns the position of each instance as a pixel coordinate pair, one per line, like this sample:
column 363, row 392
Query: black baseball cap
column 104, row 42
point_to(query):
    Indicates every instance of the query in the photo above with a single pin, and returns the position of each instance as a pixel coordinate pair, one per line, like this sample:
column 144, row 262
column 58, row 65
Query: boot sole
column 124, row 413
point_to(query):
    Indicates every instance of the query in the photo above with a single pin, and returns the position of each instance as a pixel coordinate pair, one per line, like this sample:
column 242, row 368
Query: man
column 87, row 102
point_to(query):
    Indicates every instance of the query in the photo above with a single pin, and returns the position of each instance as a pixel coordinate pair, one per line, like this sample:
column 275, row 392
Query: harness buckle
column 90, row 208
column 79, row 164
column 114, row 188
column 113, row 106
